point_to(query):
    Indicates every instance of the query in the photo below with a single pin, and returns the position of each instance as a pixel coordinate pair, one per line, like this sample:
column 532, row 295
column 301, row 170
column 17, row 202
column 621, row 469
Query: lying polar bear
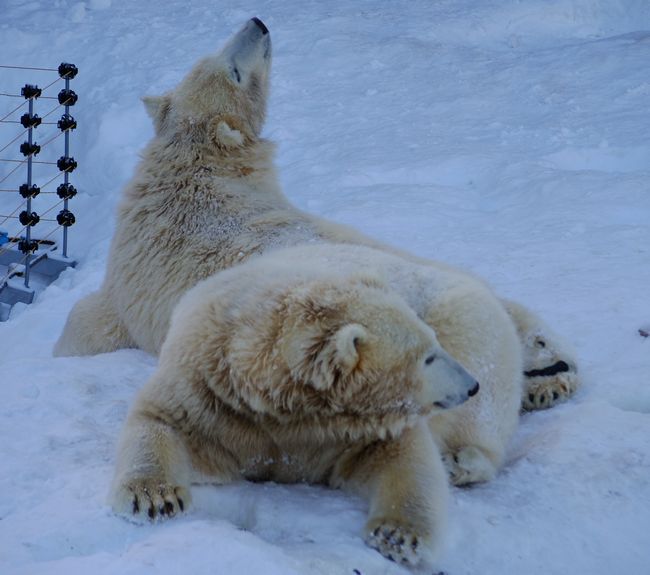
column 333, row 364
column 205, row 196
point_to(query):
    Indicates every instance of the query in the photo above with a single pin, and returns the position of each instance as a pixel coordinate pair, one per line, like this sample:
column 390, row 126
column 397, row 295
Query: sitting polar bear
column 314, row 364
column 205, row 196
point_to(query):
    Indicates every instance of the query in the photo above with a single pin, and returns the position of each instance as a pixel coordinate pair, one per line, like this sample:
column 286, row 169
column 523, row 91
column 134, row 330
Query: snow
column 507, row 137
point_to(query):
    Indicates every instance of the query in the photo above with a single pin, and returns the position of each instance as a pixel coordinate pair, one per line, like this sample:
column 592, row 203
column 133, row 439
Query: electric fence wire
column 27, row 99
column 14, row 110
column 8, row 248
column 52, row 207
column 25, row 130
column 21, row 162
column 12, row 215
column 29, row 68
column 58, row 135
column 22, row 261
column 14, row 190
column 18, row 122
column 7, row 176
column 16, row 138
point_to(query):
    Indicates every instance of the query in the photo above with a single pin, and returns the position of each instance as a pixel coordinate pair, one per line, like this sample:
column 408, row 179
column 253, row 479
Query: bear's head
column 223, row 98
column 350, row 350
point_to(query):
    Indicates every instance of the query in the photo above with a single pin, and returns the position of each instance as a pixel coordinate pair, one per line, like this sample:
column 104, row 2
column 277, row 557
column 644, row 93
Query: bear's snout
column 448, row 383
column 260, row 25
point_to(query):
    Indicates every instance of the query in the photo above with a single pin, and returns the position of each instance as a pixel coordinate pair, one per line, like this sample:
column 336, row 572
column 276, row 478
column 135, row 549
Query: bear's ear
column 347, row 341
column 227, row 136
column 158, row 108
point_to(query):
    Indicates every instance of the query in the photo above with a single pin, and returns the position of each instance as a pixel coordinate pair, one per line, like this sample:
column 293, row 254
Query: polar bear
column 313, row 364
column 205, row 196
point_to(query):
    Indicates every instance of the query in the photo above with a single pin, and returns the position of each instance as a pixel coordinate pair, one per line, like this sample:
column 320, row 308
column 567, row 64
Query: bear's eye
column 237, row 75
column 540, row 343
column 429, row 360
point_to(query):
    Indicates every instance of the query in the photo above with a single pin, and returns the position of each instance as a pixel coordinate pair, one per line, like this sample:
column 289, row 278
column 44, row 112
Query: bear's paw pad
column 544, row 391
column 468, row 465
column 151, row 499
column 395, row 542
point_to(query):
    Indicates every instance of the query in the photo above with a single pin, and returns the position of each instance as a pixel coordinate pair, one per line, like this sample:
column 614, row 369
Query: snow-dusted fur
column 312, row 364
column 206, row 196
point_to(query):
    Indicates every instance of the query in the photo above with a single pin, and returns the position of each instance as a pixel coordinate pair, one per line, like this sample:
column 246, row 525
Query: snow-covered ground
column 509, row 137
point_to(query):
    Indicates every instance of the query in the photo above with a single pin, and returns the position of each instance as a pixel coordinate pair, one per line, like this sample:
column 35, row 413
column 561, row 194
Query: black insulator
column 28, row 218
column 27, row 247
column 29, row 121
column 27, row 149
column 65, row 218
column 66, row 164
column 30, row 91
column 67, row 122
column 67, row 97
column 29, row 192
column 66, row 191
column 67, row 70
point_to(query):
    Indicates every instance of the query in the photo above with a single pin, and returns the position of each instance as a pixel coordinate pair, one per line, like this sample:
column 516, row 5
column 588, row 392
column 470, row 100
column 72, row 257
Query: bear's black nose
column 472, row 392
column 261, row 25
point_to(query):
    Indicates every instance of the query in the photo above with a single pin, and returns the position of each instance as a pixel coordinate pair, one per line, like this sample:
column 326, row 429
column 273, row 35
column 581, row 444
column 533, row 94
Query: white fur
column 543, row 349
column 205, row 197
column 320, row 352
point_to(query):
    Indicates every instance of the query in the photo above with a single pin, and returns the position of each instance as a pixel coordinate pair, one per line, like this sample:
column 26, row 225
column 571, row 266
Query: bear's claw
column 550, row 370
column 150, row 499
column 544, row 391
column 395, row 543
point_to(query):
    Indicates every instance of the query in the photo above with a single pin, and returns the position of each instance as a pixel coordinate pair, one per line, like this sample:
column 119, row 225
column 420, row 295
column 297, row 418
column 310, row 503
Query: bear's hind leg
column 92, row 327
column 544, row 391
column 550, row 370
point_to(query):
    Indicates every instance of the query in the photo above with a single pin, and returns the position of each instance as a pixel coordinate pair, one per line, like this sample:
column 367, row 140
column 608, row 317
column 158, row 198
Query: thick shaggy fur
column 206, row 197
column 311, row 364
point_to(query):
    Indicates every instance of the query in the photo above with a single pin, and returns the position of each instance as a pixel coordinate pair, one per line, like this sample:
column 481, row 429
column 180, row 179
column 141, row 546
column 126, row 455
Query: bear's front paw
column 395, row 542
column 468, row 465
column 150, row 498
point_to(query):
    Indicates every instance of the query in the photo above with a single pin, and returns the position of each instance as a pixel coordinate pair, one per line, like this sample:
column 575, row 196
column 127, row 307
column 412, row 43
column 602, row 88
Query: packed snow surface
column 507, row 137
